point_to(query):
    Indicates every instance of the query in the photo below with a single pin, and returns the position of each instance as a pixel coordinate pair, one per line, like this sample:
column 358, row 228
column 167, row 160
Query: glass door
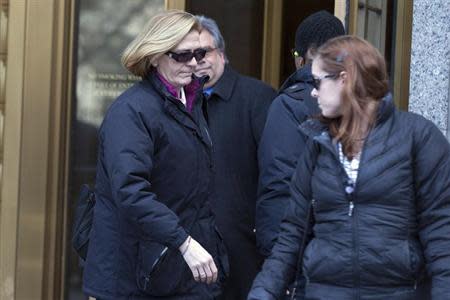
column 102, row 31
column 387, row 24
column 258, row 39
column 242, row 31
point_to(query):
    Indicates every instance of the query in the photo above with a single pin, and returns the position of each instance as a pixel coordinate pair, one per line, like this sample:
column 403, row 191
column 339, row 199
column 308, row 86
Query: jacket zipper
column 348, row 186
column 349, row 189
column 350, row 192
column 355, row 225
column 207, row 134
column 147, row 277
column 350, row 208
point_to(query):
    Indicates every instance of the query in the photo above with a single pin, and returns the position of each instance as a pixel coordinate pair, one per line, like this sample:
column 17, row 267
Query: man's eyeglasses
column 295, row 53
column 317, row 80
column 208, row 49
column 186, row 56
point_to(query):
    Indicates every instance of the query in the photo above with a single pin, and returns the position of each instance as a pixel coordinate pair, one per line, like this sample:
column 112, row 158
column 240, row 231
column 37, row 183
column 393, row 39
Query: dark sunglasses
column 317, row 80
column 186, row 56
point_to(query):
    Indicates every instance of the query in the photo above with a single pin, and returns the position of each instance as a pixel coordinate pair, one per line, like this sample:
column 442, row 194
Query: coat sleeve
column 128, row 147
column 432, row 182
column 281, row 145
column 280, row 268
column 263, row 97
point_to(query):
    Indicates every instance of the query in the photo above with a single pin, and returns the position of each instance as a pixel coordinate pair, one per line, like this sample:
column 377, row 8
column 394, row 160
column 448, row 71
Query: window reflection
column 243, row 31
column 375, row 24
column 103, row 30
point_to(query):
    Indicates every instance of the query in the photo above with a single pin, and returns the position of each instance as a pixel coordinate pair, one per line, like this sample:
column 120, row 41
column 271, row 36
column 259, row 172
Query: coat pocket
column 323, row 259
column 161, row 271
column 222, row 258
column 416, row 259
column 240, row 199
column 389, row 262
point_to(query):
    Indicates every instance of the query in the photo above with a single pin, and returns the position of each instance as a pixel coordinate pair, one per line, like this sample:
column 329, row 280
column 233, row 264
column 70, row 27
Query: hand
column 199, row 261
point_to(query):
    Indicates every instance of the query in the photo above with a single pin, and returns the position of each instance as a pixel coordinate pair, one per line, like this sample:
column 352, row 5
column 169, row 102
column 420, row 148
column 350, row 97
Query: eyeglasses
column 317, row 80
column 209, row 50
column 295, row 53
column 186, row 56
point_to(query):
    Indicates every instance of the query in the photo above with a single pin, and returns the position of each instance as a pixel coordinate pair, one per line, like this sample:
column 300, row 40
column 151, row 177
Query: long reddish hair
column 366, row 83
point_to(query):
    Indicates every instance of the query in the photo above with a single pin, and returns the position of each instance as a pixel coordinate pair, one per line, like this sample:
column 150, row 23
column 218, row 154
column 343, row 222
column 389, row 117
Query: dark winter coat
column 237, row 111
column 281, row 145
column 153, row 188
column 397, row 235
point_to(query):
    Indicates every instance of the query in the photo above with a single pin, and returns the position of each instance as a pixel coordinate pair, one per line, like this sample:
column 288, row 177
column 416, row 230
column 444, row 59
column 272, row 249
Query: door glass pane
column 103, row 29
column 376, row 25
column 294, row 12
column 242, row 27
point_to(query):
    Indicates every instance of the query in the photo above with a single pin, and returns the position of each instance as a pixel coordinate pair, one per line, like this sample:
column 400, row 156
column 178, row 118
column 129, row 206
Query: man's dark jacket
column 395, row 236
column 237, row 111
column 153, row 188
column 281, row 144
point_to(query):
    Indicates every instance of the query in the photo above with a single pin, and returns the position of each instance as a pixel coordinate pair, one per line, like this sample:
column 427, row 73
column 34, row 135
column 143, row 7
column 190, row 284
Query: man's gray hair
column 211, row 26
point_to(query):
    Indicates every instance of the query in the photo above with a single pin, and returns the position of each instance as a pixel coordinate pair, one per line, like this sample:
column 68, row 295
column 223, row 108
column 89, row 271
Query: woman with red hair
column 369, row 215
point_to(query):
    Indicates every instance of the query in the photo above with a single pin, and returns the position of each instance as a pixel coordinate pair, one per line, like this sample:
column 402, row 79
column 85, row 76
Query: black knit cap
column 315, row 30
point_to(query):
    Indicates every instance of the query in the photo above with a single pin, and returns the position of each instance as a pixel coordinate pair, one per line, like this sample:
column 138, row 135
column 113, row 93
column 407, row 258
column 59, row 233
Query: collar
column 208, row 91
column 195, row 86
column 225, row 85
column 169, row 87
column 314, row 128
column 302, row 75
column 385, row 109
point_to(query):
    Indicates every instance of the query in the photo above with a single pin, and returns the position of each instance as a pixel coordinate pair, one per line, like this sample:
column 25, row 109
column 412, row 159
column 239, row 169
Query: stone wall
column 430, row 62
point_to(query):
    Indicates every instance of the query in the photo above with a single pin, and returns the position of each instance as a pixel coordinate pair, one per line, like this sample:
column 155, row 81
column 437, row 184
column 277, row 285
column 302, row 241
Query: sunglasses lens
column 316, row 83
column 199, row 54
column 183, row 57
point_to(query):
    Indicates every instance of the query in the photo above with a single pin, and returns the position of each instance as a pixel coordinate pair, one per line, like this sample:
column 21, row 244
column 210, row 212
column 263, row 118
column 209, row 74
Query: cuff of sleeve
column 179, row 239
column 258, row 293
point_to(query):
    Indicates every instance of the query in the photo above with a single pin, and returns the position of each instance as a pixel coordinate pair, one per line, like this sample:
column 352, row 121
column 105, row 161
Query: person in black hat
column 281, row 141
column 315, row 30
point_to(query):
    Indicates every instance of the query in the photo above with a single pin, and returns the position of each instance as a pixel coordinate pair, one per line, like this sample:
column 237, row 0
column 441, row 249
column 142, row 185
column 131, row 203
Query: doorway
column 98, row 77
column 246, row 40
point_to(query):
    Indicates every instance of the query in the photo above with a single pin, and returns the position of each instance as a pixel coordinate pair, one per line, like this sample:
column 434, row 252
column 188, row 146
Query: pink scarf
column 189, row 90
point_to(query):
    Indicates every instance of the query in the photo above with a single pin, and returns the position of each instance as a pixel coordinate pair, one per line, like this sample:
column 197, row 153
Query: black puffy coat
column 153, row 188
column 394, row 241
column 281, row 145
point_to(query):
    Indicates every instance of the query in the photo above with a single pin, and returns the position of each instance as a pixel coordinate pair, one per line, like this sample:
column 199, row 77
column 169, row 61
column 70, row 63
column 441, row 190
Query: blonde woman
column 153, row 234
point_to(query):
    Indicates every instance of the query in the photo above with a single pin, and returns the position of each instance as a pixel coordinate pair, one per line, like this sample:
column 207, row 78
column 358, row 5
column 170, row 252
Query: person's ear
column 222, row 56
column 299, row 62
column 154, row 62
column 343, row 76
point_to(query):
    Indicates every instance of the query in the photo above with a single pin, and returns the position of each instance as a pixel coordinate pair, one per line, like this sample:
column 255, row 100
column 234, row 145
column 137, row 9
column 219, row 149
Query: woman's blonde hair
column 366, row 84
column 162, row 33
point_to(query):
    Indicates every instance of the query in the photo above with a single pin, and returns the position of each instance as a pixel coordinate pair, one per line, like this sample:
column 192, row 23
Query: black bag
column 82, row 224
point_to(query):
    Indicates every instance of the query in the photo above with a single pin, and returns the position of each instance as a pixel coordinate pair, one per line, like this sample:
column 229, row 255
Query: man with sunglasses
column 236, row 108
column 282, row 142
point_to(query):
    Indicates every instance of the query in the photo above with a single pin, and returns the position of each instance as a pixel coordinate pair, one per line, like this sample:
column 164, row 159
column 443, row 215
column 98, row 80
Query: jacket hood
column 302, row 75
